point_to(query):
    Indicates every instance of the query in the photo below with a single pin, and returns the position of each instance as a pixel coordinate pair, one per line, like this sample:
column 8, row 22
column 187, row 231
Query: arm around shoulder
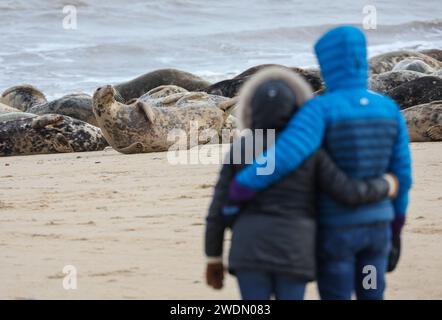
column 346, row 190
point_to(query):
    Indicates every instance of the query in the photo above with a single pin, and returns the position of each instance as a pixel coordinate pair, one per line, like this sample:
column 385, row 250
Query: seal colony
column 138, row 115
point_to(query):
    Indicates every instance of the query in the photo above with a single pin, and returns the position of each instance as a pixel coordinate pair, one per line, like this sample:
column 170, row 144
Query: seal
column 230, row 88
column 419, row 91
column 170, row 96
column 434, row 53
column 391, row 79
column 15, row 116
column 143, row 127
column 135, row 88
column 424, row 122
column 76, row 105
column 413, row 65
column 49, row 133
column 163, row 96
column 22, row 97
column 7, row 109
column 385, row 62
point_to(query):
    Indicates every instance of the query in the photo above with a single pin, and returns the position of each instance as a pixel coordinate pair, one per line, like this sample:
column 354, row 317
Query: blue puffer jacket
column 363, row 131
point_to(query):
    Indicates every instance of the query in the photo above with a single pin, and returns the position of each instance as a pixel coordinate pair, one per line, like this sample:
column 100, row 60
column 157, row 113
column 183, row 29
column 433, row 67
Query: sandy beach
column 133, row 227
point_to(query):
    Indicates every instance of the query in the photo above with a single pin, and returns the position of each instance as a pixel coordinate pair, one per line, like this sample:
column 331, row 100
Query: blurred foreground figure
column 274, row 236
column 366, row 135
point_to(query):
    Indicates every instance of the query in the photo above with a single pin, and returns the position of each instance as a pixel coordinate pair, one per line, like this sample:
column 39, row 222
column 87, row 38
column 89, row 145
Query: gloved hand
column 395, row 252
column 215, row 275
column 239, row 193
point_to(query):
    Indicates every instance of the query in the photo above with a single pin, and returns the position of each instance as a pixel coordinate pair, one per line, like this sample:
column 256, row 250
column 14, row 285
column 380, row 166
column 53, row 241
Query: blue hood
column 342, row 56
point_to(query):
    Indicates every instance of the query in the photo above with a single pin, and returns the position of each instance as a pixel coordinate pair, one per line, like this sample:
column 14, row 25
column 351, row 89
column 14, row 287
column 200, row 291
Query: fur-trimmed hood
column 300, row 93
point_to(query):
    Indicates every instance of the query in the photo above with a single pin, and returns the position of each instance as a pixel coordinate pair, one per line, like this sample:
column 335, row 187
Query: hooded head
column 342, row 55
column 270, row 98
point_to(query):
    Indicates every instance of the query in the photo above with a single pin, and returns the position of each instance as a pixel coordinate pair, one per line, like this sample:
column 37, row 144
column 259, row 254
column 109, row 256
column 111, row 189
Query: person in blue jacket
column 365, row 133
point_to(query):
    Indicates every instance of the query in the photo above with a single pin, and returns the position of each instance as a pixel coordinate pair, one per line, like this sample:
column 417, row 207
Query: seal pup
column 142, row 127
column 418, row 91
column 391, row 79
column 424, row 122
column 76, row 105
column 386, row 61
column 22, row 97
column 135, row 88
column 50, row 133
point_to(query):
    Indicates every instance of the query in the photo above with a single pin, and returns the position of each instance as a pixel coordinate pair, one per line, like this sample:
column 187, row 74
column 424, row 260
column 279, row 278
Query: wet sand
column 133, row 225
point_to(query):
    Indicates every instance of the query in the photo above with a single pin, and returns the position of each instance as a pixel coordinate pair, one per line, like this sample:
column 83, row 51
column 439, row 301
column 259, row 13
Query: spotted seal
column 49, row 133
column 424, row 122
column 419, row 91
column 386, row 62
column 391, row 79
column 143, row 127
column 135, row 88
column 22, row 97
column 76, row 105
column 170, row 96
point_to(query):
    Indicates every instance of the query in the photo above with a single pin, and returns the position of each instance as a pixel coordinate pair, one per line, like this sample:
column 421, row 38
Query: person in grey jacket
column 273, row 238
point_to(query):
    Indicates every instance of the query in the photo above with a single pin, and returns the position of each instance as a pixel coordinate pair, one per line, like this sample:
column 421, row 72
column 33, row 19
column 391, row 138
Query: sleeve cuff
column 214, row 259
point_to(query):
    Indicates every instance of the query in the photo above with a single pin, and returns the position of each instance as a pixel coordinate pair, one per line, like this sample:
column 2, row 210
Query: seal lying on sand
column 137, row 87
column 230, row 88
column 391, row 79
column 49, row 133
column 77, row 105
column 22, row 97
column 386, row 62
column 419, row 91
column 141, row 127
column 424, row 122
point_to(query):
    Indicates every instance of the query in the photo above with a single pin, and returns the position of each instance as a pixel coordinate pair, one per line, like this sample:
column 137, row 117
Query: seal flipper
column 174, row 97
column 45, row 120
column 147, row 109
column 229, row 105
column 61, row 144
column 435, row 132
column 136, row 147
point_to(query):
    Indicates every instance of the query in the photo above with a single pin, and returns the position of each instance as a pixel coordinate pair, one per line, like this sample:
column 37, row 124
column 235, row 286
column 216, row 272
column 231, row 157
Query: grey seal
column 49, row 133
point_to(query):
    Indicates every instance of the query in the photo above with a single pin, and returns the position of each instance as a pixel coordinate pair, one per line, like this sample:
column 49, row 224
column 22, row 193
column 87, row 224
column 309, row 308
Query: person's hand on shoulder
column 238, row 196
column 393, row 184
